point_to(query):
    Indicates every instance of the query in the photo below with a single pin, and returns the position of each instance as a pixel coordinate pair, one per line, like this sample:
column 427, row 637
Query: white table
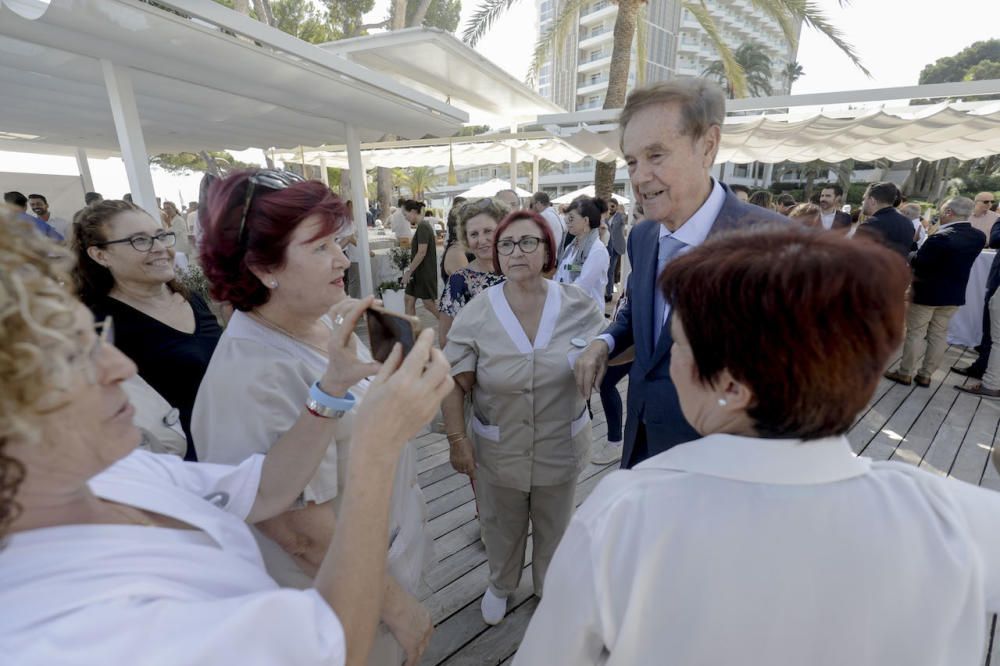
column 966, row 327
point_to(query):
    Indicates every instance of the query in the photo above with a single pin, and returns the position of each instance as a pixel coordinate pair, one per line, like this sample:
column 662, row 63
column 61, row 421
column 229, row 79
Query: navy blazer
column 942, row 265
column 841, row 220
column 652, row 398
column 890, row 227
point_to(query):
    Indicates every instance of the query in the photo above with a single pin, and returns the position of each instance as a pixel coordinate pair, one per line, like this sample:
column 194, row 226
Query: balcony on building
column 591, row 86
column 594, row 63
column 596, row 37
column 597, row 12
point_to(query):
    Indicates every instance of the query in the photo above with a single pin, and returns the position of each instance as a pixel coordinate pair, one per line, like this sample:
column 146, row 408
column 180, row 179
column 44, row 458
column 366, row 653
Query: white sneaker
column 494, row 608
column 608, row 453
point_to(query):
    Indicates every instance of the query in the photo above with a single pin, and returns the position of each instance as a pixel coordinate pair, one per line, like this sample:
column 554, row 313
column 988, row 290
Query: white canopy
column 463, row 152
column 490, row 188
column 588, row 191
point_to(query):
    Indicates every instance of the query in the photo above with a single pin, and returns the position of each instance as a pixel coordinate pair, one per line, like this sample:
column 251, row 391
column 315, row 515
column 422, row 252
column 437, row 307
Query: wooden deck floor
column 937, row 428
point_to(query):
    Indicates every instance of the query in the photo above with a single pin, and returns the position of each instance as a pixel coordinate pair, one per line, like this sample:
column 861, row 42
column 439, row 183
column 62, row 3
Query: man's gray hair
column 702, row 103
column 961, row 206
column 910, row 210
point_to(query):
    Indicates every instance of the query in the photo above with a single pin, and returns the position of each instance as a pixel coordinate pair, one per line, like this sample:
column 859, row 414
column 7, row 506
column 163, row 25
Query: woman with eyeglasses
column 110, row 555
column 512, row 348
column 125, row 269
column 272, row 247
column 585, row 260
column 477, row 223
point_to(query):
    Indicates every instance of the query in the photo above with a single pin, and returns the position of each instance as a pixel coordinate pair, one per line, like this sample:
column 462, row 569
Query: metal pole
column 84, row 167
column 130, row 139
column 534, row 174
column 513, row 162
column 357, row 171
column 323, row 175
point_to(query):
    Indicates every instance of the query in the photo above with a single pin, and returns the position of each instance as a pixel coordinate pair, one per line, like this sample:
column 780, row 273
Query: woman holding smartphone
column 271, row 249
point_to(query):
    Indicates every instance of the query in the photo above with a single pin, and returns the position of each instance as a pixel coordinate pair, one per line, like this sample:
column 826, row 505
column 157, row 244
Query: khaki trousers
column 927, row 336
column 504, row 514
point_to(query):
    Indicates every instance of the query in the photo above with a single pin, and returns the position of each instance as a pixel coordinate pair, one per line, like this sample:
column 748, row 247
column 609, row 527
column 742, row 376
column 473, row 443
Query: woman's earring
column 274, row 284
column 722, row 402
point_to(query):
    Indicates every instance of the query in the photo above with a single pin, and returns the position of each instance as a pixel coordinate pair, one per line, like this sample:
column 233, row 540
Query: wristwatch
column 327, row 406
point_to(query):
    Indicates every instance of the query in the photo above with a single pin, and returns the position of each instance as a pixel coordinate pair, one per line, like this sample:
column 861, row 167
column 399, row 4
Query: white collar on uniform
column 694, row 232
column 945, row 226
column 546, row 327
column 758, row 460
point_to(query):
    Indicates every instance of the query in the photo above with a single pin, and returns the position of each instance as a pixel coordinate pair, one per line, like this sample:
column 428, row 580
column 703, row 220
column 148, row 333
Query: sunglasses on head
column 270, row 179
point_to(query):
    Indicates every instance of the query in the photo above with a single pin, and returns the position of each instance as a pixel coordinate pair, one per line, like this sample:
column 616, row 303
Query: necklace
column 143, row 519
column 275, row 327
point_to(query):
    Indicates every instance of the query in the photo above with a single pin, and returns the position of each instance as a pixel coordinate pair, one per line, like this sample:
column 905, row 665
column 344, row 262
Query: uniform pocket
column 579, row 423
column 490, row 432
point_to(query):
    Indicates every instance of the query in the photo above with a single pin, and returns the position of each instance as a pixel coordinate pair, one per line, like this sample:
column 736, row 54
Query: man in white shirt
column 831, row 217
column 541, row 204
column 399, row 224
column 670, row 136
column 40, row 207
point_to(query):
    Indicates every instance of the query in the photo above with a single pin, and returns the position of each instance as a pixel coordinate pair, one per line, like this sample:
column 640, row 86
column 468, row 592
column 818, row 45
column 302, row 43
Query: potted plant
column 391, row 292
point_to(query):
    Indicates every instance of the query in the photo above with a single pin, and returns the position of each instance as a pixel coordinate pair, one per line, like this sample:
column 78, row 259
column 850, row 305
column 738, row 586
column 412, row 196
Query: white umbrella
column 586, row 192
column 490, row 188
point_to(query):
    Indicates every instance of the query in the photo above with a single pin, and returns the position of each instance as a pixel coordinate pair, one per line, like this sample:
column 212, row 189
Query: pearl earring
column 274, row 284
column 722, row 402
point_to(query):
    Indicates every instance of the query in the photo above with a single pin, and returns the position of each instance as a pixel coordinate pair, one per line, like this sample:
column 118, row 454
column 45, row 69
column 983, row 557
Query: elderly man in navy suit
column 670, row 137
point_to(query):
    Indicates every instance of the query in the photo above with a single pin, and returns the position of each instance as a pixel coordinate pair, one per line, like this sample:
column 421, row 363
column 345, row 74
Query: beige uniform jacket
column 530, row 424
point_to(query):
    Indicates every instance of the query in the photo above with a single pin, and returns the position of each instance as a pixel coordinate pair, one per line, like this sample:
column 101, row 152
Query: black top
column 942, row 265
column 171, row 361
column 890, row 227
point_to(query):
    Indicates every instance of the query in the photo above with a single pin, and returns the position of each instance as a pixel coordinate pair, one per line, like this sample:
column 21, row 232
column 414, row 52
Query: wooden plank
column 918, row 440
column 865, row 430
column 974, row 452
column 492, row 647
column 944, row 447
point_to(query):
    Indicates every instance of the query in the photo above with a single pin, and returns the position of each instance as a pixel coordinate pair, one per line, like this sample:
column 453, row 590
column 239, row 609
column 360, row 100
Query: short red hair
column 273, row 216
column 807, row 320
column 543, row 226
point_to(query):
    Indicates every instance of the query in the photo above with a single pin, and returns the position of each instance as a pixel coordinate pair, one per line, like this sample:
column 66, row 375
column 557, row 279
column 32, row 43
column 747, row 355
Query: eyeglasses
column 144, row 242
column 272, row 179
column 985, row 201
column 528, row 244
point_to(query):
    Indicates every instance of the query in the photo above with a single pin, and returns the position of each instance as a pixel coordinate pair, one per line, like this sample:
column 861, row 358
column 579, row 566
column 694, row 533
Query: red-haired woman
column 272, row 247
column 767, row 541
column 511, row 347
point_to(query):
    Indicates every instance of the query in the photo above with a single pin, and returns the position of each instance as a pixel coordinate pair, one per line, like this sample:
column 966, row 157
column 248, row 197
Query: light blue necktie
column 669, row 247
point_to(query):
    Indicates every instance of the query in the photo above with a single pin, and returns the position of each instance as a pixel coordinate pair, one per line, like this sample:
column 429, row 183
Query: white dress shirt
column 556, row 225
column 400, row 225
column 827, row 219
column 692, row 233
column 740, row 550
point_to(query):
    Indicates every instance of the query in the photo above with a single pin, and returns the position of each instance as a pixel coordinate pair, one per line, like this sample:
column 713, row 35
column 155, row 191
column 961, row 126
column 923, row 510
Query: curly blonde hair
column 38, row 318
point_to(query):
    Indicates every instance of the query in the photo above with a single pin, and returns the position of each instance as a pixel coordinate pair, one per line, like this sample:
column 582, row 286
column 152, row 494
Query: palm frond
column 816, row 19
column 484, row 18
column 566, row 20
column 789, row 12
column 734, row 72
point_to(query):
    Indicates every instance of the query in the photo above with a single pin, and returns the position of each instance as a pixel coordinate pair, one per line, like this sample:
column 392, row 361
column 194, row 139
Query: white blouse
column 737, row 550
column 593, row 277
column 132, row 594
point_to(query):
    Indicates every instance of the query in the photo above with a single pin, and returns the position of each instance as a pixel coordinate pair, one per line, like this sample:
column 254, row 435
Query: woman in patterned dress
column 477, row 222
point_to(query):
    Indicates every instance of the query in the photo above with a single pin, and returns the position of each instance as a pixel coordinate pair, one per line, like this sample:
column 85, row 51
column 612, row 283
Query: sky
column 893, row 37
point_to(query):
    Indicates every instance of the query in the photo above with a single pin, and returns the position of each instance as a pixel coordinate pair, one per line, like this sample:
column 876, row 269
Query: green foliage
column 194, row 281
column 473, row 130
column 416, row 179
column 443, row 14
column 389, row 285
column 303, row 20
column 346, row 17
column 187, row 162
column 984, row 71
column 756, row 66
column 956, row 67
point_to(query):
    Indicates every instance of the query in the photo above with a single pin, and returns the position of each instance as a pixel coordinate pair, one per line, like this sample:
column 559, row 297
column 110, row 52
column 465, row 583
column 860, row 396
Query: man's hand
column 591, row 366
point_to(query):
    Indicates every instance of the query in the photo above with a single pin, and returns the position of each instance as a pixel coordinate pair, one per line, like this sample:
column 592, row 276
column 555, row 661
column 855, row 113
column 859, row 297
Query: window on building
column 595, row 78
column 741, row 171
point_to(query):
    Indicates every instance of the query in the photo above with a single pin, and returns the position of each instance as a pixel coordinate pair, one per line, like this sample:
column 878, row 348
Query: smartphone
column 386, row 328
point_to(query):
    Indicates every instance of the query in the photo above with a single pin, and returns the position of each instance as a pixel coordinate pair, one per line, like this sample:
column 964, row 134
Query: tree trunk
column 398, row 21
column 421, row 13
column 384, row 176
column 242, row 6
column 621, row 60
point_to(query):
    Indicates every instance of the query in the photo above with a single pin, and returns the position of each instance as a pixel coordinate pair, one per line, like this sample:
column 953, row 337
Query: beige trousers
column 927, row 336
column 504, row 515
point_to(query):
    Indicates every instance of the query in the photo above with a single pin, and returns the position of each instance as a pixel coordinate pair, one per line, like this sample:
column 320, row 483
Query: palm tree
column 756, row 66
column 418, row 180
column 789, row 14
column 792, row 72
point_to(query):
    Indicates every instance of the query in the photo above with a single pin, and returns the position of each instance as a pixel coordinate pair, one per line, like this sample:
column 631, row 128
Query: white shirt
column 593, row 277
column 919, row 229
column 737, row 550
column 692, row 233
column 60, row 225
column 827, row 219
column 132, row 594
column 400, row 225
column 555, row 226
